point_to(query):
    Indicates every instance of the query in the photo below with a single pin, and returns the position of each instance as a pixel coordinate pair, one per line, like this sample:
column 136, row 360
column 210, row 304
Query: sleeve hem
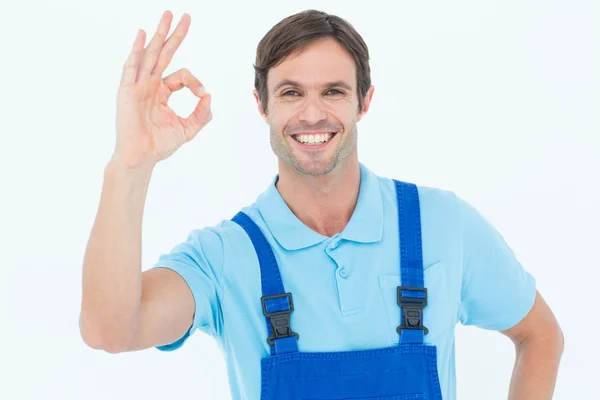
column 508, row 321
column 188, row 279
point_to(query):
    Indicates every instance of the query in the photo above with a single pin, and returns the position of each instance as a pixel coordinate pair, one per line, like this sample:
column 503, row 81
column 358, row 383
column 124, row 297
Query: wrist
column 118, row 162
column 121, row 169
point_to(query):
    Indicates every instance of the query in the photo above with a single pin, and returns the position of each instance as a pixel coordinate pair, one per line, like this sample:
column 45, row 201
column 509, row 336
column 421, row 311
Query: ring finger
column 151, row 52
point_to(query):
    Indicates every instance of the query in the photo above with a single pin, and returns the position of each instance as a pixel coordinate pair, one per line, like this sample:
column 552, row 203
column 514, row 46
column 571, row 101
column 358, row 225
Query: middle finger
column 172, row 44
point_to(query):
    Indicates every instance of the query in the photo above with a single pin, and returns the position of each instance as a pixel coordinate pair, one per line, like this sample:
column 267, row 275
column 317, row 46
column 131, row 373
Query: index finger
column 171, row 45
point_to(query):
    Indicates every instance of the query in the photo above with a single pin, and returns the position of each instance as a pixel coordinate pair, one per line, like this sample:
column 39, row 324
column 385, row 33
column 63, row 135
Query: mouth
column 313, row 140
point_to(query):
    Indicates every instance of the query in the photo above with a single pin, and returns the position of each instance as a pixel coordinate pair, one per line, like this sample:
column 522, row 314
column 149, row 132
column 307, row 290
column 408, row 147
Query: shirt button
column 343, row 273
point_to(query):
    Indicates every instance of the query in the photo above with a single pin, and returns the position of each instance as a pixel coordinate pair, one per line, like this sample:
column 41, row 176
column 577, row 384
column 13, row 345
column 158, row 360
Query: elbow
column 561, row 341
column 557, row 338
column 100, row 342
column 102, row 337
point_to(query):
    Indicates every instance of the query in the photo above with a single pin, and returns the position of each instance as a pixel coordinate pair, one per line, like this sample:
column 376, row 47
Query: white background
column 498, row 101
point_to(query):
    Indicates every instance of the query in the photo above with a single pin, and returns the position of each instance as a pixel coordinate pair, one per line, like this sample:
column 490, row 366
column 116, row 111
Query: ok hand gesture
column 148, row 131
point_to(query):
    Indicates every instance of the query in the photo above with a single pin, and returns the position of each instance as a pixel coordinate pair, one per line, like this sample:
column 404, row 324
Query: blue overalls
column 407, row 371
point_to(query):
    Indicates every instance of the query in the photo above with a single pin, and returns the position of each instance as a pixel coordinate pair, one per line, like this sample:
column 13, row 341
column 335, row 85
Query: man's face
column 312, row 107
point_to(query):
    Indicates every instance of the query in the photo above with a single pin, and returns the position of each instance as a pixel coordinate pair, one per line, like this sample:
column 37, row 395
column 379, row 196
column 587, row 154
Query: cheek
column 343, row 110
column 279, row 116
column 345, row 117
column 282, row 114
column 281, row 109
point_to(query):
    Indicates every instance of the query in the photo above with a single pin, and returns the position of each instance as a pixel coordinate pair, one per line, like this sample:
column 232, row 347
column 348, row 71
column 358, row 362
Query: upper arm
column 538, row 323
column 181, row 293
column 166, row 310
column 496, row 291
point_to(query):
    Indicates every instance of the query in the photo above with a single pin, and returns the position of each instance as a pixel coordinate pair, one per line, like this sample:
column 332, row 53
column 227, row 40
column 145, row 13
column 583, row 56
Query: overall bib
column 407, row 371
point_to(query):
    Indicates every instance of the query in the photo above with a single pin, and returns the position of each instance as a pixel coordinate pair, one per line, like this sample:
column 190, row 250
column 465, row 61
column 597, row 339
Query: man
column 336, row 283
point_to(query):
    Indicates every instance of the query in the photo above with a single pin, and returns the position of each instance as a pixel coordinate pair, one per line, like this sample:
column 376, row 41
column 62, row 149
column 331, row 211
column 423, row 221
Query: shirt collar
column 365, row 225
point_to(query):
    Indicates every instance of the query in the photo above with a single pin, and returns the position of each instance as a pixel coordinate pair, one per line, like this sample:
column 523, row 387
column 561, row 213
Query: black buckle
column 280, row 320
column 412, row 309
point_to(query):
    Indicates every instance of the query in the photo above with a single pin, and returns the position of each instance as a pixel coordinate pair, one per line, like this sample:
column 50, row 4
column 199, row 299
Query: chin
column 314, row 168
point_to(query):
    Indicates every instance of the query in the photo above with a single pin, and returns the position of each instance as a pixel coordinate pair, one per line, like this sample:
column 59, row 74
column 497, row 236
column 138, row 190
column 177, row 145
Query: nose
column 311, row 110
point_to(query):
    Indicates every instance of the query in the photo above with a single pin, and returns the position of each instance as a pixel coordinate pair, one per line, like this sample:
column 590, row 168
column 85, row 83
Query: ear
column 366, row 102
column 264, row 115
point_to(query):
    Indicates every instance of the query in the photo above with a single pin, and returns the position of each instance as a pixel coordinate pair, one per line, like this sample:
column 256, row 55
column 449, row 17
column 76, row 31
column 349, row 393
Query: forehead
column 323, row 60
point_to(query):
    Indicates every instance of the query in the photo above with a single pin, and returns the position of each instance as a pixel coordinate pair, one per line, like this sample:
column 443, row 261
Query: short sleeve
column 199, row 261
column 497, row 292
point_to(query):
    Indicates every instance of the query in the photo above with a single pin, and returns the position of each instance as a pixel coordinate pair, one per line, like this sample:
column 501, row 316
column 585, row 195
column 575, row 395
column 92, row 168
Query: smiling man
column 318, row 110
column 336, row 283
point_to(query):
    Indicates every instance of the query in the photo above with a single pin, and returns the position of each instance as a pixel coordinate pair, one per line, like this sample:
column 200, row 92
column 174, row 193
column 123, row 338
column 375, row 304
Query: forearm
column 111, row 289
column 536, row 368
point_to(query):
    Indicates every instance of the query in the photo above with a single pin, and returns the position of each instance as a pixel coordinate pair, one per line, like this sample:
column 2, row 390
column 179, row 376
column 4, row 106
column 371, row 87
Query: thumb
column 198, row 118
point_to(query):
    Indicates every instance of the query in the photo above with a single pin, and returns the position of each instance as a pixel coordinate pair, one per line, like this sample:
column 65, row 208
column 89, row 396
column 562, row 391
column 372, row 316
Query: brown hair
column 298, row 30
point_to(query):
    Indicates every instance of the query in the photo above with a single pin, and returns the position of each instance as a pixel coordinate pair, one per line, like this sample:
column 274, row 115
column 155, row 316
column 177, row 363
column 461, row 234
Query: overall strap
column 277, row 305
column 412, row 296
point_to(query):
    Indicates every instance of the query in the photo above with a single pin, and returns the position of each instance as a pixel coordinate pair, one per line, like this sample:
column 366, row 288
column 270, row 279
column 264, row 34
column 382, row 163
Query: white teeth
column 314, row 139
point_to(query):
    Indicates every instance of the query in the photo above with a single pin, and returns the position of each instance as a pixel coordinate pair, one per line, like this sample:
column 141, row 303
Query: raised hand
column 148, row 131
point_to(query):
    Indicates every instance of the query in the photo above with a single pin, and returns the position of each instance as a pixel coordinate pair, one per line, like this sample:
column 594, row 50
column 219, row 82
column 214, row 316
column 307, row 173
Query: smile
column 313, row 139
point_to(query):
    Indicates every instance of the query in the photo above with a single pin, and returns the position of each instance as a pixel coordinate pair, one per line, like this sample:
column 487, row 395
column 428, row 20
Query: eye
column 290, row 93
column 335, row 91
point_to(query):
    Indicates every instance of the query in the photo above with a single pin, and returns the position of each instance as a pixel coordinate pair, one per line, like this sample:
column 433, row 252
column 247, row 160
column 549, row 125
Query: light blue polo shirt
column 344, row 287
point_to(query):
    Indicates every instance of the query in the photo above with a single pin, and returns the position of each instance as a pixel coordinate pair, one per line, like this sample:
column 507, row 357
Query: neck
column 323, row 203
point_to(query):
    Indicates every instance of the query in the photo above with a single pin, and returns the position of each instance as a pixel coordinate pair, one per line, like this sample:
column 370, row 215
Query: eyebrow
column 290, row 82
